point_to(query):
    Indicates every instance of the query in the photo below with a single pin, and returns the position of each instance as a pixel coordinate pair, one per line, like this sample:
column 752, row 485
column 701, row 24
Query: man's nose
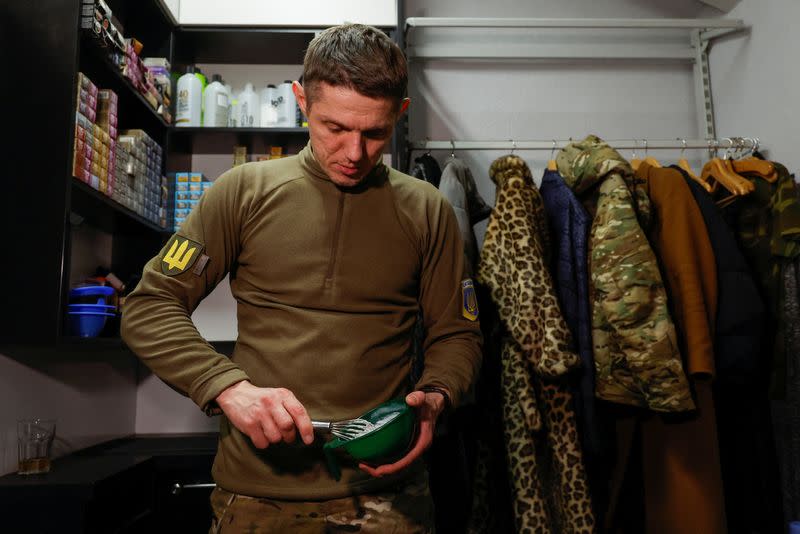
column 354, row 147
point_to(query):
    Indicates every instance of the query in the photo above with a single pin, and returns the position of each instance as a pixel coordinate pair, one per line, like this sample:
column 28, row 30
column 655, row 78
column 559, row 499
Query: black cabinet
column 133, row 485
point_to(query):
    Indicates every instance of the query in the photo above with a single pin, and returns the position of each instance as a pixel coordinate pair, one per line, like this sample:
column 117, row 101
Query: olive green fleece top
column 328, row 283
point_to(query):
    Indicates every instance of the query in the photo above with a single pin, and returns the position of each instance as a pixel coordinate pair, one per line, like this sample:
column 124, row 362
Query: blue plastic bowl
column 91, row 308
column 90, row 294
column 87, row 324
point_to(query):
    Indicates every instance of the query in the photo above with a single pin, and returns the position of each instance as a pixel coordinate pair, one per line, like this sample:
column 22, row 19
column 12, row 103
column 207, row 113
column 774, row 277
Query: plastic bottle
column 248, row 107
column 287, row 110
column 188, row 106
column 215, row 99
column 231, row 117
column 269, row 106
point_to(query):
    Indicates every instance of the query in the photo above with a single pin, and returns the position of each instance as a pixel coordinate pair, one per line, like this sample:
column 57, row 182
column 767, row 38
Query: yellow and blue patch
column 469, row 301
column 180, row 256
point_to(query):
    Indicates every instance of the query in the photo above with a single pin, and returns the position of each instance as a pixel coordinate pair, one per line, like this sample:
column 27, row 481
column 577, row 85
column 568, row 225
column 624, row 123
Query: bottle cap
column 216, row 78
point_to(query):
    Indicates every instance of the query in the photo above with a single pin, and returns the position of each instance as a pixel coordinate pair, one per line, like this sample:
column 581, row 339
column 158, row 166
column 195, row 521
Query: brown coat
column 682, row 477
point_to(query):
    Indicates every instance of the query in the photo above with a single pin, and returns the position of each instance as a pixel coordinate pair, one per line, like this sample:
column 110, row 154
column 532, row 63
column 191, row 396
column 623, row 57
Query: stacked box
column 86, row 153
column 122, row 191
column 94, row 155
column 107, row 109
column 189, row 187
column 143, row 189
column 96, row 18
column 159, row 69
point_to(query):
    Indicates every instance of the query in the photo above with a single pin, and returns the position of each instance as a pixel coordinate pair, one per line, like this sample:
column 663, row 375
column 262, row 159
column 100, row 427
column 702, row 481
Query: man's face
column 348, row 130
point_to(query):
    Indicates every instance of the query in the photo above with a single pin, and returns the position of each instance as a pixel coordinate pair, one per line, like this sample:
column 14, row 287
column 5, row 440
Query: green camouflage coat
column 635, row 346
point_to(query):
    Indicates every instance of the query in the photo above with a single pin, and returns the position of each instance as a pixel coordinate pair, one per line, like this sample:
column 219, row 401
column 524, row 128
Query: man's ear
column 300, row 96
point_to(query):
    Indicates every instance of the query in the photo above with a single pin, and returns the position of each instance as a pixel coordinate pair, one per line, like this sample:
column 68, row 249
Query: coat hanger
column 653, row 162
column 683, row 163
column 759, row 167
column 551, row 164
column 720, row 172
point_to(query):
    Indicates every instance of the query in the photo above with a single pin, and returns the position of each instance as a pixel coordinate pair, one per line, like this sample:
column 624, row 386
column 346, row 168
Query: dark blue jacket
column 739, row 328
column 569, row 225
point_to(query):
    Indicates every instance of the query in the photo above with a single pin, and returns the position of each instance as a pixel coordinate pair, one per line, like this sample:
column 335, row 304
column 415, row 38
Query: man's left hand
column 428, row 406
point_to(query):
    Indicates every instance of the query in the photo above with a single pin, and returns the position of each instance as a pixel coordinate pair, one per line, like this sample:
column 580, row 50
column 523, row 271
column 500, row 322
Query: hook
column 553, row 150
column 683, row 146
column 645, row 147
column 513, row 147
column 635, row 146
column 728, row 150
column 428, row 140
column 452, row 149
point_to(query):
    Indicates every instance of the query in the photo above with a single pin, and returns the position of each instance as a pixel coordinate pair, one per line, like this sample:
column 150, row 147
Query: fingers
column 266, row 415
column 277, row 421
column 415, row 398
column 423, row 442
column 300, row 418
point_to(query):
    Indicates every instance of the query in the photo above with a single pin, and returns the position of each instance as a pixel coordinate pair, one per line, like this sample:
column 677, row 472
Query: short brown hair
column 358, row 57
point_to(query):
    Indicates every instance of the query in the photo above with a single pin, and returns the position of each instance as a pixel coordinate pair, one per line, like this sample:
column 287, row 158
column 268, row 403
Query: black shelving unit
column 41, row 199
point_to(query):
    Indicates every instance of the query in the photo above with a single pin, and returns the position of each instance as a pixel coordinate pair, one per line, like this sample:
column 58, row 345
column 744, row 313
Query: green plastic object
column 396, row 425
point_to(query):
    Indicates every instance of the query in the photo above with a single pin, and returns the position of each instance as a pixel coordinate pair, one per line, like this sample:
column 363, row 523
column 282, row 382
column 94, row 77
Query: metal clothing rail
column 565, row 23
column 638, row 145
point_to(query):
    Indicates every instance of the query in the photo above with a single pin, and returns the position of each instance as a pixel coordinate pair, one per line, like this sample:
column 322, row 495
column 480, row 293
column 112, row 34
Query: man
column 331, row 256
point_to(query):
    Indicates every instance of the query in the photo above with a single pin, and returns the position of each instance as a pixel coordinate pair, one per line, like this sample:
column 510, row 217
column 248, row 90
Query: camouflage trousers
column 405, row 509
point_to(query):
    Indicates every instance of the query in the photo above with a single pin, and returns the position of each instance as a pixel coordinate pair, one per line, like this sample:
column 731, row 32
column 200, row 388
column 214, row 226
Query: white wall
column 161, row 410
column 92, row 396
column 755, row 79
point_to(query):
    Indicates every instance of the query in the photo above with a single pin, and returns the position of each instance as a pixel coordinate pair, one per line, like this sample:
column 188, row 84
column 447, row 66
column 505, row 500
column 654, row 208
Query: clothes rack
column 640, row 144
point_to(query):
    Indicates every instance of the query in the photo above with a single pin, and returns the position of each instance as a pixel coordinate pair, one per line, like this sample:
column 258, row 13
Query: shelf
column 108, row 214
column 265, row 131
column 108, row 76
column 94, row 343
column 244, row 46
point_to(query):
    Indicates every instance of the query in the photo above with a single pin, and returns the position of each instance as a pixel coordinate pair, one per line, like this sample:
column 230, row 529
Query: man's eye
column 375, row 134
column 334, row 129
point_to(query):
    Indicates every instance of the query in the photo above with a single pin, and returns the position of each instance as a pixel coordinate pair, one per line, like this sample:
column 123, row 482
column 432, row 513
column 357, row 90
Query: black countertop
column 87, row 467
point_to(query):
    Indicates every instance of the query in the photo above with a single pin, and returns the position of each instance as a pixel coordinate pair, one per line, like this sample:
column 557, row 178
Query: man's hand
column 266, row 415
column 428, row 406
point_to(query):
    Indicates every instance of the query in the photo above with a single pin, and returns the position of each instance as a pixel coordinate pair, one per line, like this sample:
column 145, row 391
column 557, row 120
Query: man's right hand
column 266, row 415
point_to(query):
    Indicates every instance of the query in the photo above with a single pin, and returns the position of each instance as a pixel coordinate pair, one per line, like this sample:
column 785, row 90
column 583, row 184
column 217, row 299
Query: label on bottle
column 182, row 107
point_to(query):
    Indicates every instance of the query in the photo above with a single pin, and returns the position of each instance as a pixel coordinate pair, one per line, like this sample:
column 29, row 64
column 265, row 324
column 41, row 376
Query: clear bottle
column 269, row 106
column 188, row 105
column 216, row 101
column 231, row 100
column 248, row 107
column 287, row 110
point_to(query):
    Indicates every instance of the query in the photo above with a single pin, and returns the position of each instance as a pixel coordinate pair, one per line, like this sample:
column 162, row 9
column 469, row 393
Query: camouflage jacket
column 635, row 346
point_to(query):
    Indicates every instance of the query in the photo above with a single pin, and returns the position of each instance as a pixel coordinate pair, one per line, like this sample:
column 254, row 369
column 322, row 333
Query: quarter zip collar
column 309, row 163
